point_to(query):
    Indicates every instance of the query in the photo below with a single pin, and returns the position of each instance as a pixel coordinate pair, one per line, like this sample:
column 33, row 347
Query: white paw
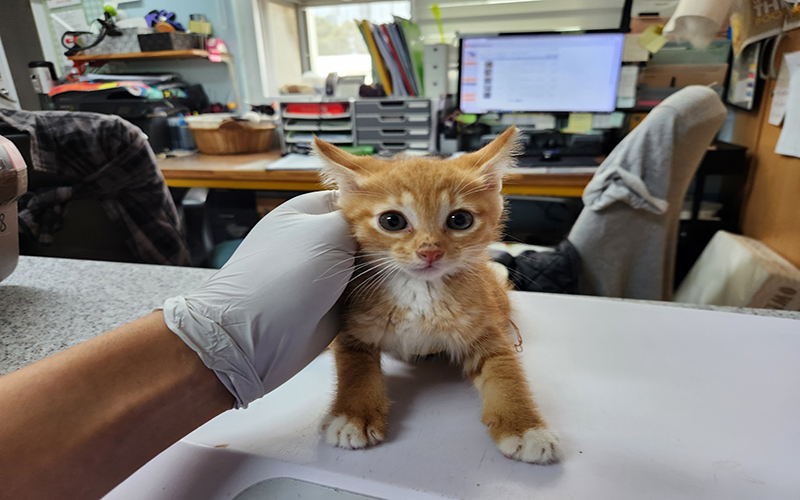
column 536, row 446
column 345, row 433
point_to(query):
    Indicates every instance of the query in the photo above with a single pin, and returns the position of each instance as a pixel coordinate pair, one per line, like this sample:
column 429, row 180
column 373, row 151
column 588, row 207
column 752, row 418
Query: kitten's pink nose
column 430, row 255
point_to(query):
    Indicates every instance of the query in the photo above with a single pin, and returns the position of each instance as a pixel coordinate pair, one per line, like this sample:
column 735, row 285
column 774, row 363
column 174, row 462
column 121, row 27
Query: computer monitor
column 543, row 72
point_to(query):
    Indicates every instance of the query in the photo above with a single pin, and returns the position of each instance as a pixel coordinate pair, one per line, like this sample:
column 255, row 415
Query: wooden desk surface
column 248, row 172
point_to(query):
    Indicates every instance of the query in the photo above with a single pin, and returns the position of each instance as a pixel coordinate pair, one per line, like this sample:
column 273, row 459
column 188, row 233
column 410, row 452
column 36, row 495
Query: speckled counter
column 50, row 304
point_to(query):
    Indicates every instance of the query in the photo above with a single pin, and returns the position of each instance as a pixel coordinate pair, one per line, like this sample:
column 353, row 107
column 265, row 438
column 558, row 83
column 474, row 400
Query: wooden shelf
column 164, row 54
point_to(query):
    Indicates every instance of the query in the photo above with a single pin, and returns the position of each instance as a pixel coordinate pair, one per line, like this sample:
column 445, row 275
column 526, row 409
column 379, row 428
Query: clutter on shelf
column 157, row 32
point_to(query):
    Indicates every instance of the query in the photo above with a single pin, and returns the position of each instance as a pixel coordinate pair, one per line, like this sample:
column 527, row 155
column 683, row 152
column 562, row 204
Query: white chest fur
column 418, row 296
column 417, row 318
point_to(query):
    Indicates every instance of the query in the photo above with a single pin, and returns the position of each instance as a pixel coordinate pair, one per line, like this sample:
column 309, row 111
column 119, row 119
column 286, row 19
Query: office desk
column 248, row 172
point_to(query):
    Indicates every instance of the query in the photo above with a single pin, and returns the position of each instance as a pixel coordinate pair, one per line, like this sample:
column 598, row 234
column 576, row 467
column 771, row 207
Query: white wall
column 261, row 35
column 7, row 82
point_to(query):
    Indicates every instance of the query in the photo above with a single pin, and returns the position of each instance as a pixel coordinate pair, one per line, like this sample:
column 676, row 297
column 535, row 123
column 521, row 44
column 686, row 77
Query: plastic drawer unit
column 331, row 121
column 394, row 124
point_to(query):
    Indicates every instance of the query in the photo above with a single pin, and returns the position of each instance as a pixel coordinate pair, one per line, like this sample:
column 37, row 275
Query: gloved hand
column 268, row 312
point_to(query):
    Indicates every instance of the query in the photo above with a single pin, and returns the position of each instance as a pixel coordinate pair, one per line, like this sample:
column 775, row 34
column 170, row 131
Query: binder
column 376, row 57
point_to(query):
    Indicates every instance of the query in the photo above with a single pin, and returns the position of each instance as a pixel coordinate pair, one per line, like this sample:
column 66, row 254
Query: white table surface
column 652, row 402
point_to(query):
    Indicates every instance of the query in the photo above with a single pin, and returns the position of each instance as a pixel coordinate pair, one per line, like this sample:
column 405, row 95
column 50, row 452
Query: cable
column 109, row 29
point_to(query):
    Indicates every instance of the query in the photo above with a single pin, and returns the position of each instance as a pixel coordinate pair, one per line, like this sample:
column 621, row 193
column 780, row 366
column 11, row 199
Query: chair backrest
column 627, row 233
column 88, row 233
column 95, row 191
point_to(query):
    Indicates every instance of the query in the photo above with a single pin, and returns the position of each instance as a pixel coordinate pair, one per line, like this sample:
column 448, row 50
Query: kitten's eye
column 460, row 220
column 392, row 221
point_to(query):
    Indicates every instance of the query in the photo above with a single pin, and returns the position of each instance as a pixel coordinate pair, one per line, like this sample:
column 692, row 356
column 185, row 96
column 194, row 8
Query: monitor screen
column 540, row 73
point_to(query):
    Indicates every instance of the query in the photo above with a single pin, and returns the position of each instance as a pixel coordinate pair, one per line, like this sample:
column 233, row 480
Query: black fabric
column 106, row 158
column 551, row 272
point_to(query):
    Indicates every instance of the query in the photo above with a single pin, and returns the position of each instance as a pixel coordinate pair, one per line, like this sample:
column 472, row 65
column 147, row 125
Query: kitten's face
column 425, row 217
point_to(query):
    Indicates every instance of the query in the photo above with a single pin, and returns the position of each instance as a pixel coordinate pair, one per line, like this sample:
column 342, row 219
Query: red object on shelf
column 325, row 108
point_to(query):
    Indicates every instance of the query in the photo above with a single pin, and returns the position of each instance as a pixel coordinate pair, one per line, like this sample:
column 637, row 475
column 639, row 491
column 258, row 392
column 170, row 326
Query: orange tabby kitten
column 422, row 285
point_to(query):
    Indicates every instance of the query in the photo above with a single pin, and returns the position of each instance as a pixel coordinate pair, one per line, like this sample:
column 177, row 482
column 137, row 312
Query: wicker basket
column 232, row 137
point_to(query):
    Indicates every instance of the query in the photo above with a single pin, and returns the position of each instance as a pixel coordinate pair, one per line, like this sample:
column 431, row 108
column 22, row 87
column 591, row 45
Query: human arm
column 76, row 424
column 262, row 317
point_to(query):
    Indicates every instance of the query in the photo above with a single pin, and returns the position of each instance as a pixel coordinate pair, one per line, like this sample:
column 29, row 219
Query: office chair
column 627, row 233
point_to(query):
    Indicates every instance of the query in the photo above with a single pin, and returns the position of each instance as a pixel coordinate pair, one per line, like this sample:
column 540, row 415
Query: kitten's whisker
column 330, row 268
column 474, row 190
column 339, row 291
column 388, row 273
column 523, row 278
column 367, row 261
column 372, row 254
column 367, row 280
column 461, row 186
column 369, row 267
column 376, row 252
column 354, row 268
column 382, row 272
column 377, row 285
column 356, row 281
column 374, row 284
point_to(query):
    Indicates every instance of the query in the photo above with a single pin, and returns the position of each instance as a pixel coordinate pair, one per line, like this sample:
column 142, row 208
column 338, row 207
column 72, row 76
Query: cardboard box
column 738, row 271
column 13, row 184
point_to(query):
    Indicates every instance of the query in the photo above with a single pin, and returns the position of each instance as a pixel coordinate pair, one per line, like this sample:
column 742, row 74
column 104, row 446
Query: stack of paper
column 397, row 55
column 294, row 161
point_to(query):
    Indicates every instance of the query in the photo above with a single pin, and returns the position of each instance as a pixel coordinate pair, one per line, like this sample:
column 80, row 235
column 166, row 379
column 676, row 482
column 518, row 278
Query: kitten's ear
column 496, row 159
column 341, row 169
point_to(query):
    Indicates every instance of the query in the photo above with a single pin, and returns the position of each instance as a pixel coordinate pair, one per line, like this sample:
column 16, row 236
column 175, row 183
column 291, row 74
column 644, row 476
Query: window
column 335, row 43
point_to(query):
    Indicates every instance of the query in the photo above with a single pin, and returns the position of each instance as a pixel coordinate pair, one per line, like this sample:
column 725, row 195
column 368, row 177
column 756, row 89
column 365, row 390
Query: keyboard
column 564, row 161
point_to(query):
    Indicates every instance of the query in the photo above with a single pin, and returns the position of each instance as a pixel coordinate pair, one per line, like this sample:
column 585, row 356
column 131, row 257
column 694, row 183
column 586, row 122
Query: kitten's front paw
column 352, row 433
column 537, row 446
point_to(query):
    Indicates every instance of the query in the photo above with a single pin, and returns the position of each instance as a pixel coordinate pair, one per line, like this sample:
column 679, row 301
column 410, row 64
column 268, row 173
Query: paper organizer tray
column 393, row 135
column 393, row 124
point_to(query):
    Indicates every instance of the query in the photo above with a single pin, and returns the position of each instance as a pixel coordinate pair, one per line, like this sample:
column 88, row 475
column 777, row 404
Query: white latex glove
column 268, row 312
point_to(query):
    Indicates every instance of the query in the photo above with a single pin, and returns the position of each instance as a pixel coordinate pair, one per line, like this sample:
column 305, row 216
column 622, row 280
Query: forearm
column 76, row 424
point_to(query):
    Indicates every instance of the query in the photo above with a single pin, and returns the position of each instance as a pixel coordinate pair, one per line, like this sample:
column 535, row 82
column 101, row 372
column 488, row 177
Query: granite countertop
column 52, row 304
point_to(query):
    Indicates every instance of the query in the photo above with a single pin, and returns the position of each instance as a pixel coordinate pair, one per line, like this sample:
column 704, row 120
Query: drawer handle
column 389, row 131
column 392, row 104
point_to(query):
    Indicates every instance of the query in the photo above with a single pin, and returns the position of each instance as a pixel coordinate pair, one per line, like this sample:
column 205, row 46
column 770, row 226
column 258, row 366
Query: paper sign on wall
column 789, row 142
column 779, row 97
